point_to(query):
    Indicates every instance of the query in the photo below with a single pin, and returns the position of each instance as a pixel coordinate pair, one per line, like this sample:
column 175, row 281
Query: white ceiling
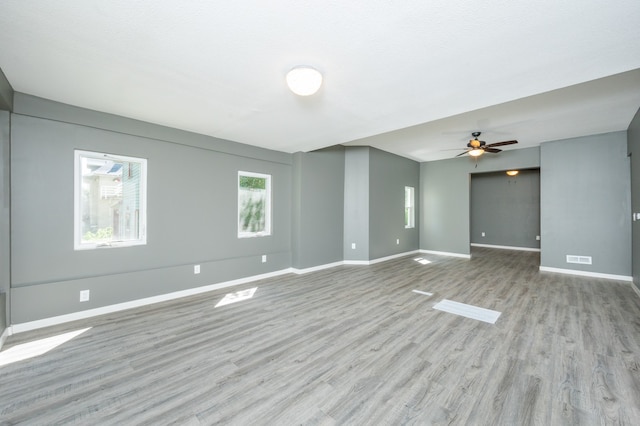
column 413, row 77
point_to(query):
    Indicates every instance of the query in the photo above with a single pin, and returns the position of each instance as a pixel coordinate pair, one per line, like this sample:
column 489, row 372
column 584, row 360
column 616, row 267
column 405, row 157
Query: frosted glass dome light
column 304, row 80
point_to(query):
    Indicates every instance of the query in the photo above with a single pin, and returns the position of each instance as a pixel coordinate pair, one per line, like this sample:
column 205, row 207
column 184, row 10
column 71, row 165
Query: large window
column 110, row 200
column 409, row 207
column 254, row 204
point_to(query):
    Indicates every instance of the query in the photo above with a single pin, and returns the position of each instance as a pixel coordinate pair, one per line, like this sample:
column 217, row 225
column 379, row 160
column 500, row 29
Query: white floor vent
column 584, row 260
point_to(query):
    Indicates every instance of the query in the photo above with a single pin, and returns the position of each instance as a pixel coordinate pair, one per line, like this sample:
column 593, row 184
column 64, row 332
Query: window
column 110, row 200
column 409, row 207
column 254, row 204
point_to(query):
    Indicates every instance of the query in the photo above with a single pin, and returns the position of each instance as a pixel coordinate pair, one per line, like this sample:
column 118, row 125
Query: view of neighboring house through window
column 254, row 204
column 110, row 200
column 409, row 209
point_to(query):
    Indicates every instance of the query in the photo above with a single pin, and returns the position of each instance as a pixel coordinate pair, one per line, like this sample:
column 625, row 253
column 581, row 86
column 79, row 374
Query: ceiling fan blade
column 501, row 143
column 462, row 153
column 493, row 150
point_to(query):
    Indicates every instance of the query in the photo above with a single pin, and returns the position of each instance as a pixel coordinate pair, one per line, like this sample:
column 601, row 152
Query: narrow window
column 254, row 204
column 110, row 200
column 409, row 209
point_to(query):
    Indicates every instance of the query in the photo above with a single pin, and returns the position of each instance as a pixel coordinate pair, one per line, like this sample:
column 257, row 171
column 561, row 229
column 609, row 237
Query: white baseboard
column 444, row 253
column 316, row 268
column 33, row 325
column 586, row 274
column 380, row 259
column 505, row 247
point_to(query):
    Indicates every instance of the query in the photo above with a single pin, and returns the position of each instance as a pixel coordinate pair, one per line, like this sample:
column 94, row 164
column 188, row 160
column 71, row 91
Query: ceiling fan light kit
column 476, row 147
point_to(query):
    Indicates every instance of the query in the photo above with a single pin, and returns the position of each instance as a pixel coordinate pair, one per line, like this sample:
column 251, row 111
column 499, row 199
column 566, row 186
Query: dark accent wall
column 506, row 208
column 318, row 207
column 192, row 211
column 445, row 193
column 633, row 140
column 586, row 203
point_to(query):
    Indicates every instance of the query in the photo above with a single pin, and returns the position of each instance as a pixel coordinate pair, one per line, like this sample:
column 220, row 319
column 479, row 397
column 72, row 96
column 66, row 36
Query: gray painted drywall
column 6, row 93
column 633, row 145
column 586, row 203
column 192, row 214
column 44, row 108
column 388, row 176
column 506, row 208
column 5, row 219
column 445, row 196
column 318, row 207
column 356, row 203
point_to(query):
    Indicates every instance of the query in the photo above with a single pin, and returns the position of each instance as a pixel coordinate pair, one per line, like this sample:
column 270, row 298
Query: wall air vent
column 584, row 260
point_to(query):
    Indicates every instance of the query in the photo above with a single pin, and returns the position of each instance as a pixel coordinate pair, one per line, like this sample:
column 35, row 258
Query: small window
column 110, row 200
column 409, row 207
column 254, row 204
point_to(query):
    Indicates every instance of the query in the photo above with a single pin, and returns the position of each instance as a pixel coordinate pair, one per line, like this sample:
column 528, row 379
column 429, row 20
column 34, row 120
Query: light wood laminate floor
column 350, row 345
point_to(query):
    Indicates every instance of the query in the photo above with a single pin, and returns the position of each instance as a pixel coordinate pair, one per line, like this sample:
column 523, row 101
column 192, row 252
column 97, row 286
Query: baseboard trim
column 444, row 253
column 380, row 259
column 586, row 274
column 316, row 268
column 505, row 247
column 33, row 325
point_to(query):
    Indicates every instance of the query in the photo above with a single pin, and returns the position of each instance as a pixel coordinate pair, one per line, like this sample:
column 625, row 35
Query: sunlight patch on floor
column 238, row 296
column 37, row 347
column 422, row 261
column 468, row 311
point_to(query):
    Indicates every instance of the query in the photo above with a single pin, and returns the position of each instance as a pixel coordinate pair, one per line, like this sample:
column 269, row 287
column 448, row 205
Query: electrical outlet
column 353, row 246
column 397, row 241
column 264, row 258
column 196, row 269
column 537, row 237
column 483, row 234
column 84, row 295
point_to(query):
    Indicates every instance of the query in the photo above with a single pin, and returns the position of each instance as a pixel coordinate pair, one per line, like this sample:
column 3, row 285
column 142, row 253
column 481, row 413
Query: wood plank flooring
column 350, row 345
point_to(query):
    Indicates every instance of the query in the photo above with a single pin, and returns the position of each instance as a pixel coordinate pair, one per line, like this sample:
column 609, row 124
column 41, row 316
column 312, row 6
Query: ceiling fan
column 476, row 148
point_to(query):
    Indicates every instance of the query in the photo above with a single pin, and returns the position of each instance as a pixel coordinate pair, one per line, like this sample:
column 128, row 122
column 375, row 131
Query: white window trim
column 77, row 194
column 411, row 206
column 267, row 231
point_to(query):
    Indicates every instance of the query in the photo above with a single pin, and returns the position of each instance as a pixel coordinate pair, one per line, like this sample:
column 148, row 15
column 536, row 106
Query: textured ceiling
column 412, row 77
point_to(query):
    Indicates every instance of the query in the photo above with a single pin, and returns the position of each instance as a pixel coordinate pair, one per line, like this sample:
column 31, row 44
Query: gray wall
column 388, row 176
column 318, row 207
column 445, row 193
column 6, row 93
column 374, row 203
column 633, row 141
column 506, row 208
column 586, row 206
column 192, row 211
column 5, row 225
column 356, row 203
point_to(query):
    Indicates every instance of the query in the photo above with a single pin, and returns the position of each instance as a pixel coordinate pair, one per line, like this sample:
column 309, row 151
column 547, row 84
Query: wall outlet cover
column 196, row 269
column 84, row 295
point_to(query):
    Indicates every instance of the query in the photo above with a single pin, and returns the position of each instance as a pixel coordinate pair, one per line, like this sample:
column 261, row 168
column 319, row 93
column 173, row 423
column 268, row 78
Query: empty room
column 319, row 213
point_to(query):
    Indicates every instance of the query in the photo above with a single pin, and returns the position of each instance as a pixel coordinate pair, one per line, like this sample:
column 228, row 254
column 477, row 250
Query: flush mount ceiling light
column 512, row 172
column 304, row 80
